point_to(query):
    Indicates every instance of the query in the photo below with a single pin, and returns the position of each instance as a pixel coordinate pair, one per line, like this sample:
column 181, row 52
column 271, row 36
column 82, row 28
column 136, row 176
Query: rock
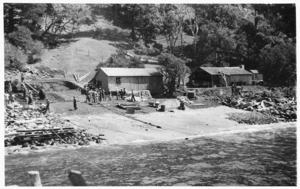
column 25, row 145
column 40, row 144
column 34, row 148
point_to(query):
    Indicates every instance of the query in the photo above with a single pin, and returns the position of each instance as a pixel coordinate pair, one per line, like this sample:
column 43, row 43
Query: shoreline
column 250, row 129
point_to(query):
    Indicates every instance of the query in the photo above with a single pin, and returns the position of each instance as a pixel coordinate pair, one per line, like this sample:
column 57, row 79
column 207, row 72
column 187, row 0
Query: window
column 118, row 80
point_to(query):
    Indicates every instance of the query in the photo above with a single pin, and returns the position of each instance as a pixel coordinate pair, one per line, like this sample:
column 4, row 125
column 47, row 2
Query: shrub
column 14, row 57
column 252, row 118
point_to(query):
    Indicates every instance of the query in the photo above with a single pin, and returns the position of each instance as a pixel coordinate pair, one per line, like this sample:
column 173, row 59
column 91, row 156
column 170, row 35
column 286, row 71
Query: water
column 265, row 158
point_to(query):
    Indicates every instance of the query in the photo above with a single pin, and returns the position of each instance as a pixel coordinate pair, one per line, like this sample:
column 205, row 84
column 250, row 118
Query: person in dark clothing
column 30, row 97
column 88, row 99
column 233, row 89
column 42, row 94
column 132, row 96
column 74, row 103
column 47, row 106
column 22, row 77
column 100, row 95
column 121, row 93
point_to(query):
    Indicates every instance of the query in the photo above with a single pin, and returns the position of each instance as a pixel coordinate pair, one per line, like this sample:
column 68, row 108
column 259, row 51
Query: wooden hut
column 214, row 76
column 129, row 78
column 256, row 76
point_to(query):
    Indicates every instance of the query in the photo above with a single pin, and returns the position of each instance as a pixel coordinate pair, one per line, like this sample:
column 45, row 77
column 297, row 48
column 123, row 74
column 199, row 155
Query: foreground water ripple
column 265, row 158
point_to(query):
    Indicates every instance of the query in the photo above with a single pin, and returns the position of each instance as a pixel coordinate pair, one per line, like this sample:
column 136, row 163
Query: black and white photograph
column 149, row 94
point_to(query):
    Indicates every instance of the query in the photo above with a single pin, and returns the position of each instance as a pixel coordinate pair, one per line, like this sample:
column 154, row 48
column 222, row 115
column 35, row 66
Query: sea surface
column 264, row 158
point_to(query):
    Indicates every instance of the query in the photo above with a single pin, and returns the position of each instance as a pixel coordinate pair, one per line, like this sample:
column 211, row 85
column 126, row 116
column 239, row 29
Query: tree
column 60, row 18
column 280, row 16
column 173, row 69
column 142, row 19
column 19, row 14
column 278, row 64
column 210, row 40
column 14, row 57
column 172, row 26
column 21, row 37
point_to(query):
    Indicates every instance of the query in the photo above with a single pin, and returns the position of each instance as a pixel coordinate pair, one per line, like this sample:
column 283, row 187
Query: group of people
column 9, row 96
column 120, row 94
column 94, row 95
column 29, row 99
column 97, row 95
column 235, row 89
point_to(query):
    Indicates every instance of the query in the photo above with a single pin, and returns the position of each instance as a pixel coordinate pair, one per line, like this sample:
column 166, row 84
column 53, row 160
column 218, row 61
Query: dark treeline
column 260, row 36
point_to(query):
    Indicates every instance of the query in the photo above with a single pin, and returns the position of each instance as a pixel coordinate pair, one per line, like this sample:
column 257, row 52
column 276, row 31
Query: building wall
column 151, row 83
column 217, row 80
column 240, row 78
column 257, row 77
column 103, row 79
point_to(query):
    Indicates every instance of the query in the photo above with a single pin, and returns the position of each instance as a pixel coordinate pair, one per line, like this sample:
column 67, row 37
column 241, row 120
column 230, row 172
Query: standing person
column 22, row 77
column 87, row 99
column 9, row 87
column 12, row 98
column 121, row 93
column 103, row 95
column 124, row 91
column 109, row 93
column 42, row 94
column 117, row 93
column 233, row 89
column 94, row 96
column 30, row 96
column 24, row 92
column 74, row 103
column 6, row 98
column 100, row 94
column 97, row 96
column 33, row 101
column 47, row 106
column 132, row 96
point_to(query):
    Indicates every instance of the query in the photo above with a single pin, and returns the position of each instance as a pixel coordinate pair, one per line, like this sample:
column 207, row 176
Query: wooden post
column 31, row 87
column 34, row 179
column 76, row 178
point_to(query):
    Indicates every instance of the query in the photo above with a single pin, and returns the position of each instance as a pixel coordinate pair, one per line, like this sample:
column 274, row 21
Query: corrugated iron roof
column 254, row 71
column 226, row 70
column 130, row 71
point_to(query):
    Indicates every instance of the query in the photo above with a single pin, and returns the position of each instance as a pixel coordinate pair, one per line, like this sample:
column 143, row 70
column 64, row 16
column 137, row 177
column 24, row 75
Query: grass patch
column 252, row 118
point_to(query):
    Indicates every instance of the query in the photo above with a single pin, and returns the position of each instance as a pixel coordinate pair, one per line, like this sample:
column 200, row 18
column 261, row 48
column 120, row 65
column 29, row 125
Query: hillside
column 83, row 53
column 80, row 56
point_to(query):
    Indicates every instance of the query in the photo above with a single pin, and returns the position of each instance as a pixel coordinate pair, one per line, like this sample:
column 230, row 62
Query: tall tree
column 60, row 18
column 278, row 64
column 173, row 69
column 171, row 24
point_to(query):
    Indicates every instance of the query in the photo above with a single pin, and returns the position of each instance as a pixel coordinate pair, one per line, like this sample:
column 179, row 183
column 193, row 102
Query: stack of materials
column 142, row 95
column 26, row 124
column 284, row 108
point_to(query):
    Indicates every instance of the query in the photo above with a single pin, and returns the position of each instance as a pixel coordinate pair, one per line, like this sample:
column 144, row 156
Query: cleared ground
column 121, row 128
